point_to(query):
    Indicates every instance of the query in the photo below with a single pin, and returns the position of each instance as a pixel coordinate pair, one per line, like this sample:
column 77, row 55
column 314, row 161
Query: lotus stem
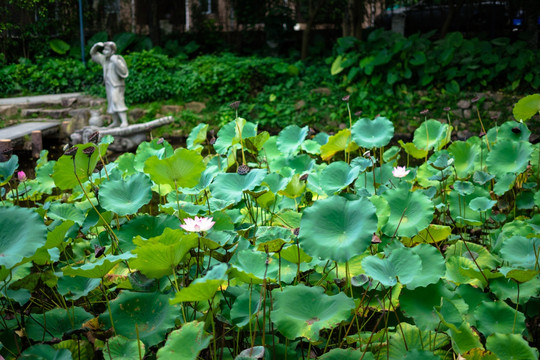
column 138, row 341
column 517, row 306
column 108, row 305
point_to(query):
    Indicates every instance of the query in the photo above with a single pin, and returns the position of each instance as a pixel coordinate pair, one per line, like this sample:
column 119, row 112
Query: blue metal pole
column 82, row 32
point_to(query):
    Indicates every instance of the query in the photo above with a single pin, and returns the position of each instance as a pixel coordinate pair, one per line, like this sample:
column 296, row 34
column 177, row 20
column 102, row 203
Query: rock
column 68, row 101
column 171, row 109
column 464, row 104
column 467, row 114
column 8, row 110
column 322, row 91
column 299, row 104
column 195, row 106
column 136, row 113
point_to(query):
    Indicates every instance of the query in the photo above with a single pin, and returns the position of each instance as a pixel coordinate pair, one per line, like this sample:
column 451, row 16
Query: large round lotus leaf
column 64, row 173
column 121, row 348
column 482, row 256
column 337, row 176
column 466, row 156
column 254, row 353
column 337, row 229
column 433, row 267
column 300, row 163
column 431, row 134
column 160, row 255
column 185, row 343
column 7, row 168
column 505, row 289
column 511, row 347
column 126, row 196
column 410, row 212
column 245, row 307
column 145, row 226
column 45, row 352
column 203, row 289
column 75, row 287
column 304, row 311
column 373, row 133
column 498, row 317
column 99, row 268
column 146, row 150
column 504, row 183
column 65, row 211
column 527, row 107
column 290, row 139
column 481, row 204
column 416, row 354
column 339, row 142
column 401, row 266
column 509, row 157
column 230, row 187
column 22, row 232
column 346, row 354
column 420, row 302
column 182, row 169
column 520, row 251
column 414, row 338
column 56, row 322
column 460, row 210
column 150, row 312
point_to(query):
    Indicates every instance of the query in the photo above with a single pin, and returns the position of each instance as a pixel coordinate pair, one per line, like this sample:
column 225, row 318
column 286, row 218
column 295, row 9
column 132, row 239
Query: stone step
column 50, row 113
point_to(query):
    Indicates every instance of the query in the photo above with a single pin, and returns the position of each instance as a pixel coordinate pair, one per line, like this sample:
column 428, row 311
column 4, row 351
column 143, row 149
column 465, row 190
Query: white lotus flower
column 400, row 171
column 198, row 224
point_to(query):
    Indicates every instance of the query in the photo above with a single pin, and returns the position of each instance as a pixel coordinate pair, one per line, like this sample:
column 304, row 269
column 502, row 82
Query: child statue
column 114, row 72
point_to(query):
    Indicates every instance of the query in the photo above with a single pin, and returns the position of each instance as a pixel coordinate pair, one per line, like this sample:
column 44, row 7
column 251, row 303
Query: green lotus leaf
column 339, row 142
column 160, row 255
column 197, row 136
column 414, row 338
column 149, row 313
column 459, row 209
column 64, row 172
column 511, row 347
column 337, row 229
column 505, row 289
column 65, row 211
column 79, row 348
column 504, row 183
column 420, row 303
column 182, row 169
column 245, row 306
column 466, row 156
column 520, row 251
column 510, row 130
column 97, row 269
column 412, row 150
column 337, row 176
column 145, row 226
column 311, row 147
column 250, row 266
column 295, row 188
column 498, row 317
column 75, row 287
column 56, row 322
column 383, row 210
column 204, row 288
column 518, row 275
column 481, row 255
column 7, row 168
column 482, row 204
column 441, row 159
column 299, row 163
column 253, row 353
column 185, row 343
column 432, row 234
column 229, row 134
column 22, row 232
column 410, row 212
column 121, row 348
column 433, row 267
column 373, row 133
column 290, row 139
column 509, row 157
column 256, row 143
column 346, row 354
column 481, row 177
column 416, row 354
column 432, row 134
column 527, row 107
column 401, row 266
column 230, row 187
column 464, row 187
column 461, row 270
column 146, row 150
column 301, row 311
column 126, row 196
column 45, row 352
column 464, row 339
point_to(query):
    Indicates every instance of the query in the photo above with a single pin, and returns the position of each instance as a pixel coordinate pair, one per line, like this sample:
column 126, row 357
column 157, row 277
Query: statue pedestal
column 125, row 138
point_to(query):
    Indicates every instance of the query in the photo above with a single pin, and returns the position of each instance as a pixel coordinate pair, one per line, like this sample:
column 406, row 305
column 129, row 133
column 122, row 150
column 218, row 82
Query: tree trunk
column 313, row 10
column 453, row 8
column 532, row 12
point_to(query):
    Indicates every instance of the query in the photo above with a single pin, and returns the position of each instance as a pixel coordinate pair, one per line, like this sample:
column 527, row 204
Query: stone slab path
column 31, row 100
column 18, row 132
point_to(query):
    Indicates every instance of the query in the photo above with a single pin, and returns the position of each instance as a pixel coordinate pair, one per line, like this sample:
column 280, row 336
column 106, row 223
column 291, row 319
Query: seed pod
column 89, row 151
column 243, row 169
column 71, row 151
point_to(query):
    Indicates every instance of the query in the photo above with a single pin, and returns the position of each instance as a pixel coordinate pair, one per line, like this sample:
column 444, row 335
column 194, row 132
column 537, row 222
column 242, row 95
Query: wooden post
column 37, row 143
column 5, row 147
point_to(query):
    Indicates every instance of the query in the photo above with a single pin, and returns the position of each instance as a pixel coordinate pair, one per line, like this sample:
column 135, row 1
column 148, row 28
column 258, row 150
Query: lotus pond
column 252, row 246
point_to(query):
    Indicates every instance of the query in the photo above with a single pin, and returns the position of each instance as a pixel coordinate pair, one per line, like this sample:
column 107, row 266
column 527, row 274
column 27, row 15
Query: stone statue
column 114, row 72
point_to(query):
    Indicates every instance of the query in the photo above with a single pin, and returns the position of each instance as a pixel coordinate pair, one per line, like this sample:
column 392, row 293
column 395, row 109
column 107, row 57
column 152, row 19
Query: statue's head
column 109, row 48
